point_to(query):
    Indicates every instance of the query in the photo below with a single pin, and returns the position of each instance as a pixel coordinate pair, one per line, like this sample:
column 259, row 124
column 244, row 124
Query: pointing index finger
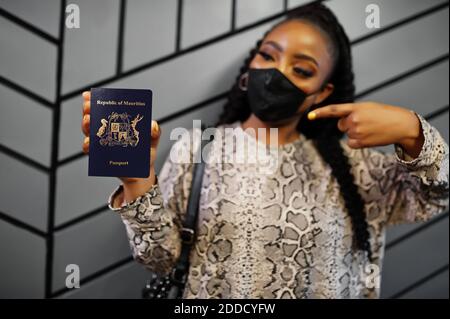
column 333, row 110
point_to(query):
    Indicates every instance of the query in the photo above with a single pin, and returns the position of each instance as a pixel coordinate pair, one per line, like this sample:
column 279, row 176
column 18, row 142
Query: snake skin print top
column 285, row 234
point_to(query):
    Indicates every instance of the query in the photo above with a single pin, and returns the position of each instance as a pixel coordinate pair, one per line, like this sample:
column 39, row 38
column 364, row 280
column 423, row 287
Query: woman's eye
column 265, row 56
column 303, row 72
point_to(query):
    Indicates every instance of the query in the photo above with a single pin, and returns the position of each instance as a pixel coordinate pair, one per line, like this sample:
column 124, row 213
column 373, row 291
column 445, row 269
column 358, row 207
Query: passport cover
column 119, row 137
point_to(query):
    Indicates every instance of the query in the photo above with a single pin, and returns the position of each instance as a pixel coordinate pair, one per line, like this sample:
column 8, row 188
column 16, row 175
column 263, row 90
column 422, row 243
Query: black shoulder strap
column 188, row 231
column 194, row 197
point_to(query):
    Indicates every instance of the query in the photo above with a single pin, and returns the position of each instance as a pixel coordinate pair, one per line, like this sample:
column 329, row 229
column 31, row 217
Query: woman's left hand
column 369, row 124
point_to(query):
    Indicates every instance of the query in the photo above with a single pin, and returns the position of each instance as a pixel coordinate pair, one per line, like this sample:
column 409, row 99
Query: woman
column 314, row 227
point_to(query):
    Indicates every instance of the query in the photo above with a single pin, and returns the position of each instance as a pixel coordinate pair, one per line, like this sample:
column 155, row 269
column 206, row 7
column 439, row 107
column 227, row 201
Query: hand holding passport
column 121, row 137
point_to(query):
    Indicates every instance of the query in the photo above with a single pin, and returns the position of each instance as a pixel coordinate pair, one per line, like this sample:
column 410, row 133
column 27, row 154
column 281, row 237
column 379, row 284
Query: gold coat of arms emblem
column 119, row 129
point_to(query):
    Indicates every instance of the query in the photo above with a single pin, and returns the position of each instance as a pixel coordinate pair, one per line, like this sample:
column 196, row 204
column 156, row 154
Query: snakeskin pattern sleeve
column 426, row 189
column 404, row 189
column 153, row 220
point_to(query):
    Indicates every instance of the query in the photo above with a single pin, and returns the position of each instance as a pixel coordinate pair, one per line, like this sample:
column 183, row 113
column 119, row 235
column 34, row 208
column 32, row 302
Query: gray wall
column 52, row 214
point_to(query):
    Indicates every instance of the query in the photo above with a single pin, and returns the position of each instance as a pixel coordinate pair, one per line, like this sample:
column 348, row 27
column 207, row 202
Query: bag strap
column 187, row 233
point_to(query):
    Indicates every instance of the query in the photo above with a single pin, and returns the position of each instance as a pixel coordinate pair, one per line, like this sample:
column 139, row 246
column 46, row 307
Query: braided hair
column 323, row 132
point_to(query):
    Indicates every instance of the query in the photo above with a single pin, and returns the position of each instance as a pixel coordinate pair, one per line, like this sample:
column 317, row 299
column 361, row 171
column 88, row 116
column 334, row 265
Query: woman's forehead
column 298, row 36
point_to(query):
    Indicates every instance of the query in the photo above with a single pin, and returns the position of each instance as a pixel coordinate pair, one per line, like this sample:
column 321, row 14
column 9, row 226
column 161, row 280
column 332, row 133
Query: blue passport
column 119, row 137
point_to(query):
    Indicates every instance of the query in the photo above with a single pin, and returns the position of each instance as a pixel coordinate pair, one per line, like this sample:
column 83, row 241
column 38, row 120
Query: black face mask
column 272, row 96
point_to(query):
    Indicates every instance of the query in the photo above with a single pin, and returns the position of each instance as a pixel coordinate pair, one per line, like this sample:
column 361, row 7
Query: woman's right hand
column 133, row 187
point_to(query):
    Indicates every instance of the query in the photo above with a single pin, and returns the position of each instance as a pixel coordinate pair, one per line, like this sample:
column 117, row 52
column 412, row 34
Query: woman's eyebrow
column 297, row 55
column 275, row 45
column 306, row 57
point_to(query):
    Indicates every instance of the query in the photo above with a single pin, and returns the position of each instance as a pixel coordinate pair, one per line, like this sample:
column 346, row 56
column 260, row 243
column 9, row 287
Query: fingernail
column 312, row 116
column 86, row 139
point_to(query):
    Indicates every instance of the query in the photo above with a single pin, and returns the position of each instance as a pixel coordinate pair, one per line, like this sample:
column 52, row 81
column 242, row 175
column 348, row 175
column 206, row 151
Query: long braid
column 327, row 141
column 323, row 132
column 331, row 151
